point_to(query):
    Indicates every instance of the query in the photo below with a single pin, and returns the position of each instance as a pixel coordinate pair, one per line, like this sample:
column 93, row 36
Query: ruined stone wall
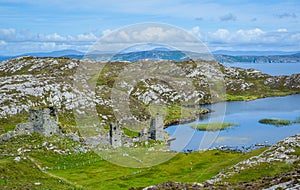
column 42, row 122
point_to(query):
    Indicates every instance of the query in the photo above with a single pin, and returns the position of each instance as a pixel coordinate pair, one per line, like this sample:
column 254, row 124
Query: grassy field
column 43, row 166
column 214, row 126
column 197, row 166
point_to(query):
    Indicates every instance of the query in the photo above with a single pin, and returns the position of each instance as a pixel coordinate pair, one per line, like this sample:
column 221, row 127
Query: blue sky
column 49, row 25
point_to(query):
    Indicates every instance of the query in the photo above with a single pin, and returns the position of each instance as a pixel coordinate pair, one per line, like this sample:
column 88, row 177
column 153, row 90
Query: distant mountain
column 61, row 53
column 253, row 53
column 162, row 53
column 293, row 58
column 155, row 54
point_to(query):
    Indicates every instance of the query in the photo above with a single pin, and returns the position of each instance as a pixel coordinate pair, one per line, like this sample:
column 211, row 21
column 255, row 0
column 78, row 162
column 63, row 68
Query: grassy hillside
column 36, row 162
column 59, row 163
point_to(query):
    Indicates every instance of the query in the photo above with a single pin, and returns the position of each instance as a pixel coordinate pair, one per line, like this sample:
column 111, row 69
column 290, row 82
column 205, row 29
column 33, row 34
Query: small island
column 276, row 122
column 213, row 126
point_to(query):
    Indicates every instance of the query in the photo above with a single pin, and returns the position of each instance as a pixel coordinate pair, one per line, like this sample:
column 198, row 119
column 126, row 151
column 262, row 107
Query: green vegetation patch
column 89, row 171
column 9, row 123
column 214, row 126
column 130, row 133
column 276, row 122
column 262, row 170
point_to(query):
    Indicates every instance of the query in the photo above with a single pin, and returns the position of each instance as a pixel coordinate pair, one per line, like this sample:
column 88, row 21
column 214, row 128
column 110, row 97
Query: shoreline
column 198, row 116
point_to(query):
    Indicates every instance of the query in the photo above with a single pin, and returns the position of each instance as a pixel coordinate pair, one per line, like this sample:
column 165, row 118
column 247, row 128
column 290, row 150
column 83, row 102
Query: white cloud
column 13, row 41
column 106, row 32
column 149, row 32
column 154, row 33
column 87, row 37
column 249, row 35
column 50, row 37
column 295, row 37
column 196, row 32
column 282, row 30
column 7, row 33
column 220, row 35
column 253, row 39
column 2, row 43
column 13, row 35
column 224, row 35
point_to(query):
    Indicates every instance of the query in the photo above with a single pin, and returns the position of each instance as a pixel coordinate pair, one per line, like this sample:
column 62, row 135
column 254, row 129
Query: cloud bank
column 17, row 41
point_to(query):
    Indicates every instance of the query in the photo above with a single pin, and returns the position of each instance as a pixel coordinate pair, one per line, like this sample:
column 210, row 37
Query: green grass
column 24, row 175
column 9, row 123
column 261, row 171
column 130, row 133
column 198, row 166
column 213, row 126
column 265, row 169
column 175, row 112
column 276, row 122
column 230, row 97
column 89, row 171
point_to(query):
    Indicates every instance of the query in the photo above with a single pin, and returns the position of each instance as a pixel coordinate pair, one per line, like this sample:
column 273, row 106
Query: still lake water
column 249, row 131
column 269, row 68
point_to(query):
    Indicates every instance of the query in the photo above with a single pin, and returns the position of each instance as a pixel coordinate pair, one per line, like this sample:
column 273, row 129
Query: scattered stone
column 37, row 183
column 17, row 159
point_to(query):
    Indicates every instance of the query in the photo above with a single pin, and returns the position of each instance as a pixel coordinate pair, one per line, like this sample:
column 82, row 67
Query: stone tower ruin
column 115, row 135
column 157, row 128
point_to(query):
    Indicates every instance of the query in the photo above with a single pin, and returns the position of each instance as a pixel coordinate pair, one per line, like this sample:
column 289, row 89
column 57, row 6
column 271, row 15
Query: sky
column 51, row 25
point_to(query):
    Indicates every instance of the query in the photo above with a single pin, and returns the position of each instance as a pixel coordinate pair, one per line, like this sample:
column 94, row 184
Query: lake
column 269, row 68
column 248, row 132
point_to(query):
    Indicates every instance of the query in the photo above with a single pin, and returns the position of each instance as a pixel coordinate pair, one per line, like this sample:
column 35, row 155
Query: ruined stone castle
column 156, row 132
column 40, row 120
column 45, row 121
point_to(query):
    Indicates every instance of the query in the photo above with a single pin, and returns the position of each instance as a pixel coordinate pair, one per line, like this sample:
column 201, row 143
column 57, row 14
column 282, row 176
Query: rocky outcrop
column 28, row 81
column 283, row 151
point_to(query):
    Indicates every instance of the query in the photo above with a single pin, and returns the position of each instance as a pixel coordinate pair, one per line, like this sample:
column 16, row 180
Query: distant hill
column 156, row 54
column 253, row 53
column 61, row 53
column 221, row 56
column 293, row 58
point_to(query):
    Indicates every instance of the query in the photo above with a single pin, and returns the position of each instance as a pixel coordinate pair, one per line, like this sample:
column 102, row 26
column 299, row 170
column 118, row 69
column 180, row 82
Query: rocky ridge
column 31, row 81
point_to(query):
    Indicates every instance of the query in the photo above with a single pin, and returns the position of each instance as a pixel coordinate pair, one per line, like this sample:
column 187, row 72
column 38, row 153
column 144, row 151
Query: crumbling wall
column 42, row 121
column 39, row 121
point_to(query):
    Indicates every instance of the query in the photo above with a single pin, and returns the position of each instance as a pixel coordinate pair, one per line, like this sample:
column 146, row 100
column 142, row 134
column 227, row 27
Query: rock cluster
column 30, row 81
column 283, row 151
